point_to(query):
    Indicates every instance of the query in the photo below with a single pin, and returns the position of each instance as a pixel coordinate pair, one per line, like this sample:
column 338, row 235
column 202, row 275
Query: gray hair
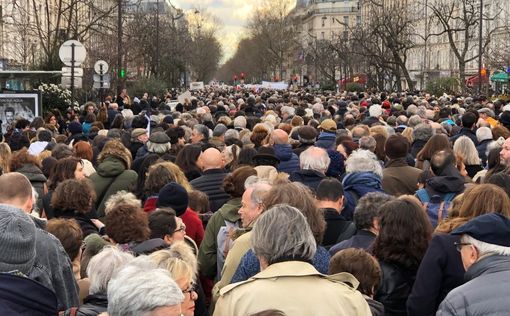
column 465, row 147
column 368, row 143
column 288, row 109
column 368, row 208
column 231, row 134
column 202, row 129
column 121, row 197
column 363, row 160
column 486, row 248
column 260, row 188
column 240, row 121
column 314, row 158
column 483, row 133
column 423, row 132
column 401, row 120
column 158, row 148
column 103, row 265
column 140, row 287
column 282, row 232
column 414, row 121
column 412, row 109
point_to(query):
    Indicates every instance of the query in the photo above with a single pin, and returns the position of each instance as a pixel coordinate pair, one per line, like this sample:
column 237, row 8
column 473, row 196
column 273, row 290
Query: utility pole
column 119, row 47
column 157, row 40
column 480, row 49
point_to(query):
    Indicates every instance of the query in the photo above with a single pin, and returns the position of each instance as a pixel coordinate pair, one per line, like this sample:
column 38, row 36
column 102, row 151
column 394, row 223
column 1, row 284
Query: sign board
column 186, row 95
column 19, row 104
column 66, row 82
column 101, row 67
column 99, row 85
column 66, row 53
column 196, row 85
column 66, row 71
column 106, row 78
column 280, row 85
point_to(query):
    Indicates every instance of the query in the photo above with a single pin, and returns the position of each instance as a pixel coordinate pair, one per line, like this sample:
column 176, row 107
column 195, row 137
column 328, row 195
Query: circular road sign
column 66, row 53
column 101, row 65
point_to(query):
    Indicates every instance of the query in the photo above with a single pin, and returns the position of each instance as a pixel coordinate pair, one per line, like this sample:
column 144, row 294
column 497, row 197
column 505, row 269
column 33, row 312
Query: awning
column 500, row 77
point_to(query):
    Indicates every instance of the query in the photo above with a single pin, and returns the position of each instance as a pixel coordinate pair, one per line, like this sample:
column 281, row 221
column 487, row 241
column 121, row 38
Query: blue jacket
column 326, row 140
column 289, row 161
column 356, row 185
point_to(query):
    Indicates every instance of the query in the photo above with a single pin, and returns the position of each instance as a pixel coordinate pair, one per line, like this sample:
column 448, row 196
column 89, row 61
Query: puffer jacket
column 211, row 184
column 93, row 305
column 111, row 177
column 356, row 185
column 326, row 140
column 289, row 161
column 486, row 292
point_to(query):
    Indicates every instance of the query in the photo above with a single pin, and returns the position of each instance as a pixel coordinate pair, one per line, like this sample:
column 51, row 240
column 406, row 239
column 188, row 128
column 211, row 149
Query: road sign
column 66, row 71
column 101, row 67
column 106, row 78
column 97, row 85
column 66, row 82
column 70, row 51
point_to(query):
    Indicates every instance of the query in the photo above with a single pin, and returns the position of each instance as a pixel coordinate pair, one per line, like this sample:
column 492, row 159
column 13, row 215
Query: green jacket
column 208, row 247
column 111, row 177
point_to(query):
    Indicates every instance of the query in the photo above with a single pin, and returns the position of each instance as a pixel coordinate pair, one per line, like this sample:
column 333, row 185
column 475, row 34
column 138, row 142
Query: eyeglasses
column 180, row 229
column 458, row 245
column 190, row 290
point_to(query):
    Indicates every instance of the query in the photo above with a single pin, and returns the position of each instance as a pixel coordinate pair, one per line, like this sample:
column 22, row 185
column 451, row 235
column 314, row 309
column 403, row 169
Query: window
column 322, row 35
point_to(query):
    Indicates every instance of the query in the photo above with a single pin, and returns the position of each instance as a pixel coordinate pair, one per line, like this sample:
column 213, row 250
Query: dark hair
column 329, row 189
column 187, row 158
column 22, row 123
column 361, row 265
column 368, row 208
column 127, row 223
column 198, row 201
column 63, row 170
column 61, row 151
column 233, row 184
column 380, row 142
column 69, row 232
column 245, row 157
column 118, row 122
column 143, row 171
column 162, row 222
column 139, row 121
column 468, row 119
column 37, row 123
column 21, row 157
column 502, row 180
column 436, row 143
column 404, row 234
column 73, row 195
column 90, row 117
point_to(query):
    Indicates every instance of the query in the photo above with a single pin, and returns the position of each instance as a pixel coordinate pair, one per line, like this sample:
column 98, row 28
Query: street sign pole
column 72, row 73
column 101, row 84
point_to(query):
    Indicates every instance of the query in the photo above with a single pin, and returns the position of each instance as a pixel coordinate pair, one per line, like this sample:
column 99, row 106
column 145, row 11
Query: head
column 174, row 196
column 396, row 147
column 465, row 148
column 103, row 266
column 279, row 137
column 271, row 246
column 61, row 151
column 366, row 213
column 211, row 158
column 252, row 202
column 233, row 184
column 483, row 133
column 404, row 233
column 330, row 193
column 9, row 114
column 504, row 154
column 422, row 132
column 363, row 161
column 162, row 173
column 361, row 265
column 16, row 190
column 69, row 233
column 115, row 149
column 64, row 169
column 468, row 120
column 164, row 224
column 200, row 133
column 82, row 193
column 121, row 197
column 436, row 143
column 126, row 223
column 83, row 150
column 140, row 288
column 187, row 157
column 314, row 158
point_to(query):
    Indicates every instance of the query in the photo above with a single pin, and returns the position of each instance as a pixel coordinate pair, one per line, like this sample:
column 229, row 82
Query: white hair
column 231, row 134
column 486, row 248
column 269, row 243
column 158, row 148
column 465, row 147
column 483, row 133
column 140, row 287
column 240, row 121
column 314, row 158
column 363, row 160
column 103, row 265
column 288, row 109
column 121, row 197
column 375, row 110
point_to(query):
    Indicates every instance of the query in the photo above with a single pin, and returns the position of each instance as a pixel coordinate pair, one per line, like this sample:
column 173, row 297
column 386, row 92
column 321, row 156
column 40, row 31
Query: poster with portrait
column 16, row 105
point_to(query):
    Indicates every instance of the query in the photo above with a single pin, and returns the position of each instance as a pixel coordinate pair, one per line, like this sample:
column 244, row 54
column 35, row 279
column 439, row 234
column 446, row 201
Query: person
column 330, row 200
column 199, row 134
column 139, row 137
column 484, row 136
column 211, row 162
column 307, row 136
column 398, row 177
column 366, row 218
column 402, row 241
column 180, row 261
column 466, row 149
column 112, row 174
column 421, row 135
column 187, row 160
column 441, row 268
column 365, row 269
column 504, row 154
column 468, row 121
column 314, row 163
column 164, row 224
column 289, row 161
column 286, row 269
column 52, row 266
column 139, row 288
column 485, row 252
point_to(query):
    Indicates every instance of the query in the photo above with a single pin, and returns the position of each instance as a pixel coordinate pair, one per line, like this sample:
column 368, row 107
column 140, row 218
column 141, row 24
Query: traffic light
column 242, row 75
column 122, row 73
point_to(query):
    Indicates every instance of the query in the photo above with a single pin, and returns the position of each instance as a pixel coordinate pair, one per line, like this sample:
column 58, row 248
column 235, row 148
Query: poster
column 199, row 85
column 17, row 105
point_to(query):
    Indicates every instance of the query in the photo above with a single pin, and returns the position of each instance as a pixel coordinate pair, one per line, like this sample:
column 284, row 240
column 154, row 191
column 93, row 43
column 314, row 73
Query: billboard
column 21, row 104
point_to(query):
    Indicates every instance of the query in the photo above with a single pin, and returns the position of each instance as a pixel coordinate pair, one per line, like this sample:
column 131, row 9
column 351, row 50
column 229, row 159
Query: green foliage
column 354, row 87
column 53, row 96
column 328, row 86
column 448, row 85
column 151, row 85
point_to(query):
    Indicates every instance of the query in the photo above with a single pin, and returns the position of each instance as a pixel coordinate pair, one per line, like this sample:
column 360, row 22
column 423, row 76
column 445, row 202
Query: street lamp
column 480, row 49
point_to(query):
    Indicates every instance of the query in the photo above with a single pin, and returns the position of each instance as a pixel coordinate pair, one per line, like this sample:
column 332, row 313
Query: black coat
column 395, row 287
column 86, row 225
column 465, row 132
column 93, row 305
column 211, row 184
column 482, row 148
column 417, row 146
column 337, row 228
column 310, row 178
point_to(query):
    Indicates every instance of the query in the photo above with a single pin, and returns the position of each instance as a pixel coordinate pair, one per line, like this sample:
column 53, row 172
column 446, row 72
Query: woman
column 441, row 269
column 143, row 172
column 403, row 238
column 87, row 124
column 260, row 135
column 465, row 148
column 182, row 265
column 79, row 206
column 5, row 158
column 187, row 161
column 83, row 150
column 434, row 144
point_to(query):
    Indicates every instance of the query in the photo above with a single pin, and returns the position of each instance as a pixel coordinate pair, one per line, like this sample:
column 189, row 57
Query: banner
column 22, row 104
column 280, row 85
column 199, row 85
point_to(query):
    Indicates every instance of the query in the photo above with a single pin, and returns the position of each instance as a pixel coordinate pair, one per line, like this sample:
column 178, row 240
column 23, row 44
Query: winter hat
column 74, row 128
column 505, row 118
column 138, row 132
column 175, row 196
column 159, row 138
column 492, row 228
column 396, row 146
column 168, row 119
column 17, row 240
column 328, row 125
column 307, row 134
column 219, row 130
column 266, row 156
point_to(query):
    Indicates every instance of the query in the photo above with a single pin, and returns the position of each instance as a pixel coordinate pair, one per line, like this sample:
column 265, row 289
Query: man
column 504, row 155
column 313, row 163
column 52, row 266
column 43, row 137
column 468, row 120
column 485, row 251
column 211, row 163
column 139, row 137
column 287, row 281
column 330, row 199
column 487, row 115
column 307, row 136
column 398, row 177
column 366, row 217
column 199, row 134
column 289, row 161
column 112, row 112
column 218, row 139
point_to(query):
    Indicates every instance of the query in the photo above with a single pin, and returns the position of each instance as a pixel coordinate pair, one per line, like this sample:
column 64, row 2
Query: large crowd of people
column 258, row 202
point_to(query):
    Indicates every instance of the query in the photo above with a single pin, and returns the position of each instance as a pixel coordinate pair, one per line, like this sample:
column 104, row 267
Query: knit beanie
column 175, row 196
column 17, row 240
column 74, row 128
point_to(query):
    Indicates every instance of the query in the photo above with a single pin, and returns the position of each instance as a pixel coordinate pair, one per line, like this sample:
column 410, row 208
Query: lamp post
column 119, row 46
column 480, row 49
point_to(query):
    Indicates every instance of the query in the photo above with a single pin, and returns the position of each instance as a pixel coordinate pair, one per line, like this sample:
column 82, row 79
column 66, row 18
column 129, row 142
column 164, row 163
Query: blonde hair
column 155, row 181
column 5, row 157
column 408, row 133
column 465, row 148
column 179, row 260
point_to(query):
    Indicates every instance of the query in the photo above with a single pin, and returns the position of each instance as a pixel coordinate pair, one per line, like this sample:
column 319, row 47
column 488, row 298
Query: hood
column 305, row 176
column 229, row 210
column 450, row 180
column 148, row 246
column 283, row 151
column 111, row 167
column 489, row 264
column 33, row 173
column 362, row 182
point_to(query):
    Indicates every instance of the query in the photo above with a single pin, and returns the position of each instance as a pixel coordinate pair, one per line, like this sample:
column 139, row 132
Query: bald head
column 280, row 136
column 211, row 158
column 16, row 190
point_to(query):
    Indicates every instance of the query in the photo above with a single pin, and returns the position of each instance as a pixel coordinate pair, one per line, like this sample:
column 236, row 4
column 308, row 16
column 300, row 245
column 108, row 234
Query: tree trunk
column 462, row 75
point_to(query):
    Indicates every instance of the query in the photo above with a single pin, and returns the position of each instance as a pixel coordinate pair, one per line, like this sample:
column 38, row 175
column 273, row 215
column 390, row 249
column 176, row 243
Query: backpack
column 225, row 241
column 436, row 205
